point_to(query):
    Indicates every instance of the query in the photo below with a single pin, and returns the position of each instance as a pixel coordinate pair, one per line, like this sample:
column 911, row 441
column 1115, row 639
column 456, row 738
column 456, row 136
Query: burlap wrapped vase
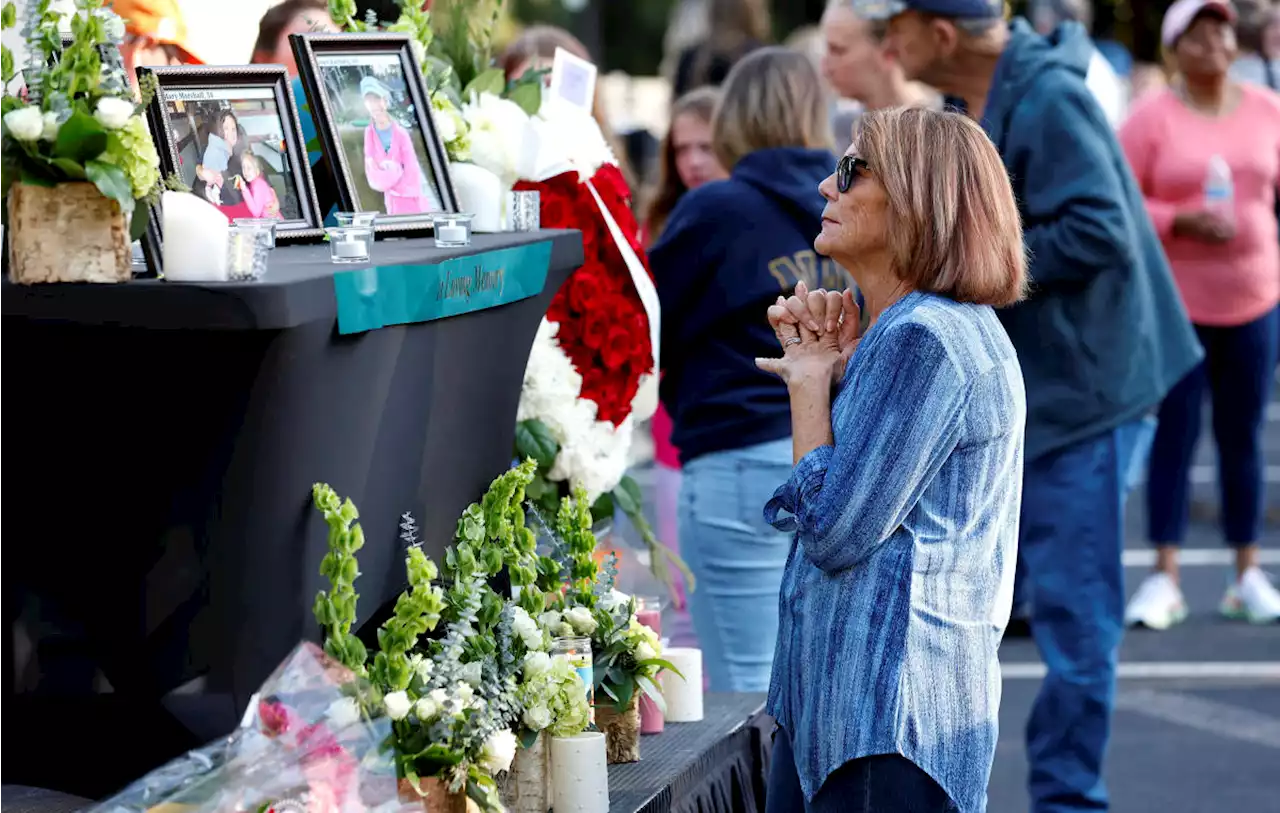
column 526, row 788
column 621, row 731
column 66, row 233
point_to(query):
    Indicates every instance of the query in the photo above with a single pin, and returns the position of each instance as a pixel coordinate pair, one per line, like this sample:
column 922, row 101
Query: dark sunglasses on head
column 847, row 170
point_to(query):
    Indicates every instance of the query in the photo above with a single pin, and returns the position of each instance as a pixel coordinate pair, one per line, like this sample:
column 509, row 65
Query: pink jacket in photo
column 400, row 182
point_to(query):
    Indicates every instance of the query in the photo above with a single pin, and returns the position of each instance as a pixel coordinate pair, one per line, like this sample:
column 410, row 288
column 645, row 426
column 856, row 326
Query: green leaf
column 9, row 17
column 534, row 439
column 626, row 689
column 628, row 497
column 490, row 81
column 33, row 178
column 528, row 95
column 73, row 169
column 6, row 63
column 138, row 223
column 528, row 738
column 111, row 182
column 81, row 138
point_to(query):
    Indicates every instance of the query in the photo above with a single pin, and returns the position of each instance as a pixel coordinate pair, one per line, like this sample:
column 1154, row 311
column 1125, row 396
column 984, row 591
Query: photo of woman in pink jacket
column 390, row 162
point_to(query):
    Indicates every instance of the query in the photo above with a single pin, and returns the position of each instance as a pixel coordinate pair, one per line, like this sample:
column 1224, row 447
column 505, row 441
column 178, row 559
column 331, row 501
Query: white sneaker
column 1157, row 604
column 1254, row 599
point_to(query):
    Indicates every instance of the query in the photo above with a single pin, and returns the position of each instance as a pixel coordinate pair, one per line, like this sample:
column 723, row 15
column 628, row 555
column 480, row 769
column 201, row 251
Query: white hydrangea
column 537, row 717
column 535, row 663
column 498, row 129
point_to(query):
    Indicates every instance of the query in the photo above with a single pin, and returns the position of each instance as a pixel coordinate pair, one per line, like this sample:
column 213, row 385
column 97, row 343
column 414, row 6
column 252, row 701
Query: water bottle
column 1219, row 192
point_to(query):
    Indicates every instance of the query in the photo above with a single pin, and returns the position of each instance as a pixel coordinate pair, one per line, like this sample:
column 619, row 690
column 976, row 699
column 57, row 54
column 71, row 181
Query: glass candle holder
column 356, row 218
column 265, row 224
column 349, row 244
column 577, row 651
column 649, row 614
column 451, row 230
column 247, row 251
column 524, row 210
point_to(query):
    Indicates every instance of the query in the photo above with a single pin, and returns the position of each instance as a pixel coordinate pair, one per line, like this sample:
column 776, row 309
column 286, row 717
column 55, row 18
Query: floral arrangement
column 459, row 706
column 626, row 655
column 77, row 120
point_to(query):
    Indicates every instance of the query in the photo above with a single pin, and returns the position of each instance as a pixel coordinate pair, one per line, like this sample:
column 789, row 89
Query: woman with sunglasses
column 906, row 491
column 730, row 247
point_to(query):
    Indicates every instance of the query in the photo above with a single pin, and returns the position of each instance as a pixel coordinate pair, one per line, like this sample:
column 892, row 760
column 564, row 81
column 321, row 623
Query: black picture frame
column 309, row 226
column 311, row 50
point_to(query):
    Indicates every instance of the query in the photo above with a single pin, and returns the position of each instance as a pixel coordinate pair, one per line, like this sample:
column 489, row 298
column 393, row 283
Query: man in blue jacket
column 1101, row 340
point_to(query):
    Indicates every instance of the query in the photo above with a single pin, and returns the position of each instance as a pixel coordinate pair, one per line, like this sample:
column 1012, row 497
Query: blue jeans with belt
column 737, row 559
column 1072, row 540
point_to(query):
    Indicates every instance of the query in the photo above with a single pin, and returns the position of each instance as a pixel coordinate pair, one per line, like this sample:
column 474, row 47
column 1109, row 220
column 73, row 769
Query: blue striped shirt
column 900, row 579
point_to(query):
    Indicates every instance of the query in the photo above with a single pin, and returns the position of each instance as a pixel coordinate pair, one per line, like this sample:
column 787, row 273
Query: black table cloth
column 163, row 440
column 719, row 765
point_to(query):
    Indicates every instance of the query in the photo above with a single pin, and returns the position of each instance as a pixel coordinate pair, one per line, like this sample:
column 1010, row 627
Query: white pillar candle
column 195, row 239
column 579, row 774
column 479, row 192
column 683, row 694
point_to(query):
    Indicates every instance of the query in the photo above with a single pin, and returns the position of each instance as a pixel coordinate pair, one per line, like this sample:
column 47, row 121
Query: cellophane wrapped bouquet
column 306, row 745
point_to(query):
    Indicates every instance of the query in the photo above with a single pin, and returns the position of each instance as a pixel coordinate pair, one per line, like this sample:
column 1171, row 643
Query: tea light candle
column 579, row 773
column 683, row 694
column 351, row 248
column 451, row 232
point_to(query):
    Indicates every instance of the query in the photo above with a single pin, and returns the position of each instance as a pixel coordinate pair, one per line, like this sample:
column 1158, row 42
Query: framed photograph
column 573, row 79
column 375, row 126
column 231, row 135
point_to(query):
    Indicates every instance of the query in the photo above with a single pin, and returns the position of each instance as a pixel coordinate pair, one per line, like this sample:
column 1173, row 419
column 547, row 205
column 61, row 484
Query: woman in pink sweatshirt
column 1206, row 151
column 390, row 163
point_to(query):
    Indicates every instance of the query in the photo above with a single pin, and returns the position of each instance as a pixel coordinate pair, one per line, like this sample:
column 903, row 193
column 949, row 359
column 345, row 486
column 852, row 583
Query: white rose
column 439, row 697
column 498, row 751
column 581, row 620
column 527, row 629
column 472, row 673
column 550, row 619
column 421, row 666
column 445, row 126
column 112, row 113
column 537, row 717
column 50, row 131
column 427, row 708
column 535, row 663
column 645, row 652
column 398, row 705
column 343, row 712
column 464, row 694
column 25, row 123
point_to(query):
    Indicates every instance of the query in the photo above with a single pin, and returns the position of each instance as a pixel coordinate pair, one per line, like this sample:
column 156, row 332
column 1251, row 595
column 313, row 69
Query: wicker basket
column 526, row 788
column 621, row 731
column 66, row 233
column 435, row 797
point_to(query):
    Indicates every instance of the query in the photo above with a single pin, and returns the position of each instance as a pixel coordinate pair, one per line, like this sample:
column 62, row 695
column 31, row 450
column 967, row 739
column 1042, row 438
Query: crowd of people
column 939, row 290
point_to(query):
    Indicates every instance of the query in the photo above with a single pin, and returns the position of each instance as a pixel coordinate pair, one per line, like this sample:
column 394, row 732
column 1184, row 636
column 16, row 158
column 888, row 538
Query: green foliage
column 335, row 610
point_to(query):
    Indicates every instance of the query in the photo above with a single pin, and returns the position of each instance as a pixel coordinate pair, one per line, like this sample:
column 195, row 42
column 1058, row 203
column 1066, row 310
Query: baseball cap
column 158, row 20
column 876, row 10
column 1183, row 13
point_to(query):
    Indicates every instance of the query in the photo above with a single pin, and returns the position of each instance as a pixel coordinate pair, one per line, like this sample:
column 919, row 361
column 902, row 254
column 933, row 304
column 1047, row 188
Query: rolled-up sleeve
column 894, row 426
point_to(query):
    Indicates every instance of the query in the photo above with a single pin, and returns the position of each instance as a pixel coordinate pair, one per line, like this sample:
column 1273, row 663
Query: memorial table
column 163, row 440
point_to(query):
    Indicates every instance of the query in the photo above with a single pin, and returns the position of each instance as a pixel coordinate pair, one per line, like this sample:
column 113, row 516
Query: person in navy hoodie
column 729, row 250
column 1101, row 340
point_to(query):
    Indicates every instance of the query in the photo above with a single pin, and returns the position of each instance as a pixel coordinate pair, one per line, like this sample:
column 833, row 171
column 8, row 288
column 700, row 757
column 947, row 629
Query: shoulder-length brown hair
column 541, row 42
column 772, row 98
column 953, row 224
column 669, row 189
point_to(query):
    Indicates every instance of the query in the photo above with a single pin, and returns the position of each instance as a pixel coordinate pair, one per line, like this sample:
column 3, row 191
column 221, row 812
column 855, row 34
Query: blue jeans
column 1237, row 371
column 887, row 783
column 737, row 559
column 1072, row 539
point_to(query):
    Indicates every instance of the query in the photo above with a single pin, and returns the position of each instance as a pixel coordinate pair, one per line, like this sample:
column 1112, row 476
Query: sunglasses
column 847, row 170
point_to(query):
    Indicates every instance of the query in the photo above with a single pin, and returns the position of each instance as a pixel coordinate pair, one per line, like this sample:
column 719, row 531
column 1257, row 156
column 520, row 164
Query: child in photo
column 258, row 194
column 390, row 163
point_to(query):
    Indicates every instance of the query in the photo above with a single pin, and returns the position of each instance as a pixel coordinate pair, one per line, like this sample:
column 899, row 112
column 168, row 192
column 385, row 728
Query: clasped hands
column 818, row 331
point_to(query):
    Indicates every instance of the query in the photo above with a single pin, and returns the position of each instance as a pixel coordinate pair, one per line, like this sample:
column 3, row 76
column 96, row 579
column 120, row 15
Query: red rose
column 616, row 348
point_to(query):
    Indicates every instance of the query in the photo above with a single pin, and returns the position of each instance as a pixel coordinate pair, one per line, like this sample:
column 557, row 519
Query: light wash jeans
column 737, row 559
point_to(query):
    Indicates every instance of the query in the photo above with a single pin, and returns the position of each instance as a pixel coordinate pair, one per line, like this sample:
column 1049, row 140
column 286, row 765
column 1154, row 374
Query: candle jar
column 246, row 253
column 365, row 219
column 577, row 651
column 649, row 613
column 524, row 210
column 349, row 244
column 451, row 230
column 264, row 224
